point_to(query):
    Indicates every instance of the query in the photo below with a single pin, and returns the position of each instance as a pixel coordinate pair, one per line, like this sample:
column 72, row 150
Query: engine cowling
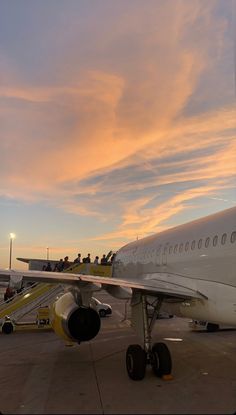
column 74, row 322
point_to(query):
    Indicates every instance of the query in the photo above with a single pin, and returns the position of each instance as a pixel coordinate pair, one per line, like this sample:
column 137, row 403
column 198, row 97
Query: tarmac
column 40, row 375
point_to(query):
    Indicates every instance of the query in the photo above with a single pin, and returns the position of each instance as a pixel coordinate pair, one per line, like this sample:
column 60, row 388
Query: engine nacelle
column 74, row 322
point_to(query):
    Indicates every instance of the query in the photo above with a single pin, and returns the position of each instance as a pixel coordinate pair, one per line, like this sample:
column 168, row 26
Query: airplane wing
column 152, row 284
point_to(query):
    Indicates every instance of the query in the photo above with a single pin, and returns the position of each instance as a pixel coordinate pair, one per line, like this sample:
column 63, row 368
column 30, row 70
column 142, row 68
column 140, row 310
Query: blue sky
column 117, row 121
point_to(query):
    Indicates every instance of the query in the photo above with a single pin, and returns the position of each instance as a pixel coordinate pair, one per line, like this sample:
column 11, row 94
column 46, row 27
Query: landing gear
column 158, row 355
column 136, row 361
column 161, row 359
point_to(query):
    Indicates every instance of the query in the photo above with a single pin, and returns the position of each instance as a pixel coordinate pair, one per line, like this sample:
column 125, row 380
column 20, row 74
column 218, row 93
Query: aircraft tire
column 161, row 359
column 7, row 327
column 136, row 362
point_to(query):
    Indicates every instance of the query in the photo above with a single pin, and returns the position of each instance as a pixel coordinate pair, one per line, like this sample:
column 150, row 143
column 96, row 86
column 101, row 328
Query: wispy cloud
column 130, row 121
column 114, row 111
column 144, row 221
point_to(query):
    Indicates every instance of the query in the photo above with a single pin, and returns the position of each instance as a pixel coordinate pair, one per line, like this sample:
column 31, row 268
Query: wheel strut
column 157, row 356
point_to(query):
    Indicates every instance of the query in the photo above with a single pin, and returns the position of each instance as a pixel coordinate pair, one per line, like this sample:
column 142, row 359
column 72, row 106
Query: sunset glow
column 117, row 121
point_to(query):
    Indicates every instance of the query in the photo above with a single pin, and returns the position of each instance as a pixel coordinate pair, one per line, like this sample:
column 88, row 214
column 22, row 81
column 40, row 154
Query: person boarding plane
column 189, row 271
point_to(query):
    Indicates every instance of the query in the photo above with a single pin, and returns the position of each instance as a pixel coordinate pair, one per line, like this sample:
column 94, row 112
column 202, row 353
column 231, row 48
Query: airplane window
column 199, row 243
column 207, row 242
column 181, row 247
column 193, row 245
column 159, row 249
column 223, row 238
column 233, row 237
column 215, row 240
column 176, row 248
column 186, row 246
column 170, row 249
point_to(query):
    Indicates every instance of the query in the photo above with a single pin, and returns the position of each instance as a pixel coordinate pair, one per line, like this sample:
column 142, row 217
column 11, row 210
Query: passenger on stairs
column 9, row 293
column 48, row 267
column 87, row 259
column 60, row 265
column 55, row 269
column 66, row 263
column 96, row 260
column 104, row 260
column 77, row 260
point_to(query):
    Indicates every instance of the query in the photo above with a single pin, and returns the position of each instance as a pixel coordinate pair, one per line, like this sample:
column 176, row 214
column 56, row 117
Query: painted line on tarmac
column 108, row 339
column 119, row 314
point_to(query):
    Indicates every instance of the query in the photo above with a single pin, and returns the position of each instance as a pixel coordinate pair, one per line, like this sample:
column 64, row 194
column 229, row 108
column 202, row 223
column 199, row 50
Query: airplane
column 189, row 271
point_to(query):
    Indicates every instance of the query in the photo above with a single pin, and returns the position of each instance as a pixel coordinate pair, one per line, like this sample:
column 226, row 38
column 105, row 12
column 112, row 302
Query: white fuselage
column 200, row 255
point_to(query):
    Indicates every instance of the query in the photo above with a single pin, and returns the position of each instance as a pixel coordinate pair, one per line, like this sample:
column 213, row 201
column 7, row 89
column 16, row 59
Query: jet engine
column 74, row 322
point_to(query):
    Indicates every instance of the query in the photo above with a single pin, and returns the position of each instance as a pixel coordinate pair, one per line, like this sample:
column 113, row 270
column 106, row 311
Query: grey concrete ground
column 39, row 374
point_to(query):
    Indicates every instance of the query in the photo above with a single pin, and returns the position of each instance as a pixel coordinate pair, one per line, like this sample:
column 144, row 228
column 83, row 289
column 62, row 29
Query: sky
column 117, row 118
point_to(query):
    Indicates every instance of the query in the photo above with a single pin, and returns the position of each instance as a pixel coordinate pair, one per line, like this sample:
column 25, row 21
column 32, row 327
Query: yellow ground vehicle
column 43, row 316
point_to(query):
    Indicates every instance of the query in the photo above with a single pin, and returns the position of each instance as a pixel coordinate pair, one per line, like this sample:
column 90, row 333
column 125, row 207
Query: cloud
column 114, row 110
column 106, row 126
column 192, row 169
column 141, row 221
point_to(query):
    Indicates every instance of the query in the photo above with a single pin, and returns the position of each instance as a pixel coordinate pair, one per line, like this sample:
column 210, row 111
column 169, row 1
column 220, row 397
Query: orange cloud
column 64, row 132
column 148, row 220
column 123, row 107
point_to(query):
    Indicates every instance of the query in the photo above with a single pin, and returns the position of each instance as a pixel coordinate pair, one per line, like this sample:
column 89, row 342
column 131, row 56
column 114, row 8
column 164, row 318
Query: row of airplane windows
column 188, row 246
column 200, row 244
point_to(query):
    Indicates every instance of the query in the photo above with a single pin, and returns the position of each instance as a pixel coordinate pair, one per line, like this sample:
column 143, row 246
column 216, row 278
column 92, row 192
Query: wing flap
column 153, row 286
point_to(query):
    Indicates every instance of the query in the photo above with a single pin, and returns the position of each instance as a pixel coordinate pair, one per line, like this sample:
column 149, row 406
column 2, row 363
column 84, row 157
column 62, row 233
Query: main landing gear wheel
column 157, row 356
column 161, row 360
column 136, row 362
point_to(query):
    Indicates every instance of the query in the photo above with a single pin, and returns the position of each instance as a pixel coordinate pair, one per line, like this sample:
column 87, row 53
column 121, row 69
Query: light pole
column 12, row 236
column 47, row 253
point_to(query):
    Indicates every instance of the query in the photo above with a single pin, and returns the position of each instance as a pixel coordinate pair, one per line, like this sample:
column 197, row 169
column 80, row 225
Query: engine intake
column 74, row 322
column 84, row 324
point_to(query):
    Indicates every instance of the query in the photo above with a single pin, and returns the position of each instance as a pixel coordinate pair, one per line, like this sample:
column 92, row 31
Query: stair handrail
column 18, row 294
column 35, row 303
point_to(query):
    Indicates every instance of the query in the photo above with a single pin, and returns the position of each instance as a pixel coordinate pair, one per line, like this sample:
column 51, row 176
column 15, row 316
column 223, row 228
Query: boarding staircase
column 38, row 294
column 90, row 269
column 28, row 300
